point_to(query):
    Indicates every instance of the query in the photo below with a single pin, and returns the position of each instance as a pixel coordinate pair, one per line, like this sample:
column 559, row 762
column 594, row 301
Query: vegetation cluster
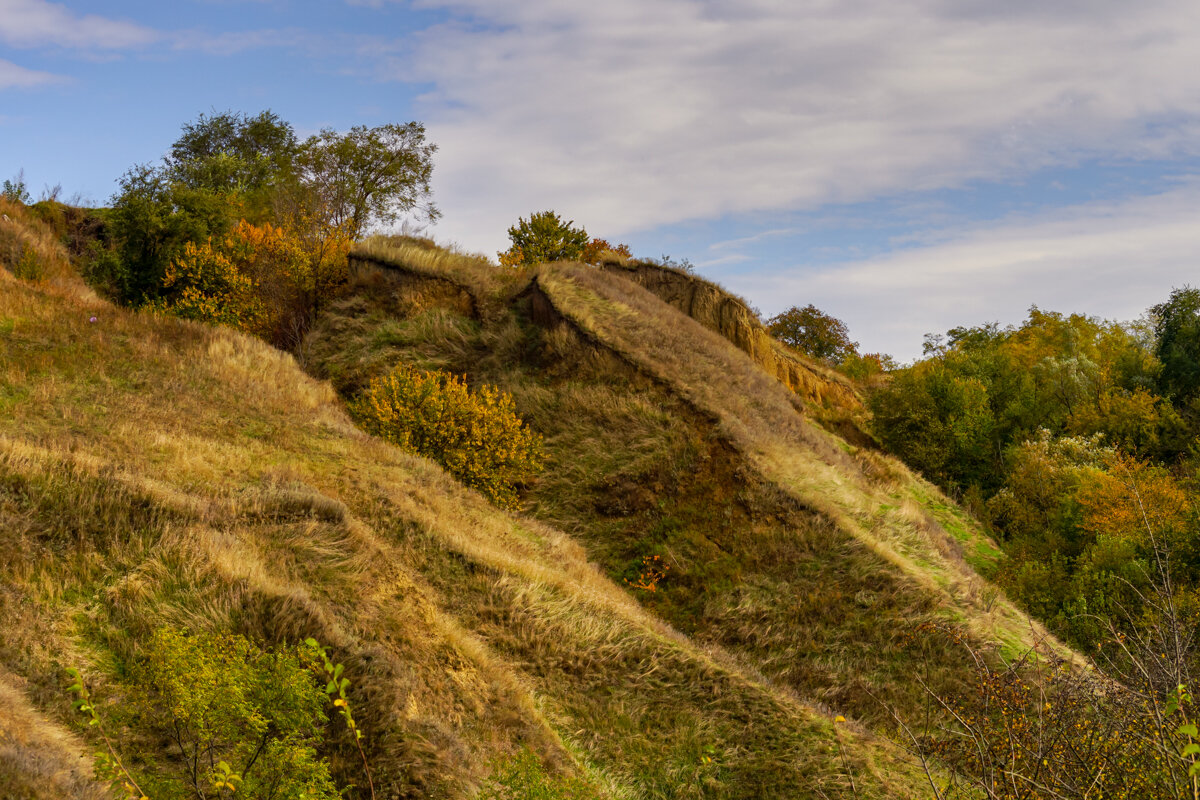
column 546, row 237
column 476, row 436
column 1075, row 440
column 244, row 224
column 498, row 660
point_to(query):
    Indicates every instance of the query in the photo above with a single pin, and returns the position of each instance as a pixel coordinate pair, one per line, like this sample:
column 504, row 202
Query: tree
column 814, row 332
column 939, row 422
column 229, row 167
column 368, row 175
column 1177, row 344
column 231, row 152
column 544, row 238
column 153, row 218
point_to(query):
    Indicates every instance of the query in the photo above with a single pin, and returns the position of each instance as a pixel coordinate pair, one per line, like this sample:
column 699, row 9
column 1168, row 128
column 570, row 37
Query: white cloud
column 35, row 23
column 228, row 43
column 626, row 115
column 13, row 76
column 1112, row 261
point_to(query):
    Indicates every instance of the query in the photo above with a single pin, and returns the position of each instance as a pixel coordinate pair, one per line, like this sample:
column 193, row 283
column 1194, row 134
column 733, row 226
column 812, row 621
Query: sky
column 907, row 166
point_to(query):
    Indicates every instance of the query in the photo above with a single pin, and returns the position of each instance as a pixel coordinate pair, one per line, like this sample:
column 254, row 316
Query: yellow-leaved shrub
column 210, row 286
column 477, row 436
column 262, row 279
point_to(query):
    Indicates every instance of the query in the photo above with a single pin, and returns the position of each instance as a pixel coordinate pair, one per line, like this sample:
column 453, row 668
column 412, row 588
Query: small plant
column 106, row 763
column 522, row 777
column 841, row 749
column 335, row 689
column 15, row 189
column 650, row 574
column 477, row 436
column 28, row 266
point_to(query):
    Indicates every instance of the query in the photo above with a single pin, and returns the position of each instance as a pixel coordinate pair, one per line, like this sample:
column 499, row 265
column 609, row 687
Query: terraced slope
column 154, row 472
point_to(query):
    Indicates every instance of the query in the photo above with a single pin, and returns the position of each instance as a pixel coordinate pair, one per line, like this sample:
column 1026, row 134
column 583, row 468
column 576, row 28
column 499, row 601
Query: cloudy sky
column 906, row 165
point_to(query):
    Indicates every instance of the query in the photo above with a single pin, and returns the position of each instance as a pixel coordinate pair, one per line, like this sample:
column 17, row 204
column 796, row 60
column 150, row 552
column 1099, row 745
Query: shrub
column 545, row 237
column 261, row 279
column 15, row 190
column 476, row 436
column 237, row 720
column 1040, row 728
column 866, row 366
column 223, row 700
column 209, row 286
column 597, row 249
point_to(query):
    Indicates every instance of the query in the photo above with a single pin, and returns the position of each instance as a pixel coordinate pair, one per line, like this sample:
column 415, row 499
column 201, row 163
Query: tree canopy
column 1177, row 344
column 368, row 176
column 810, row 330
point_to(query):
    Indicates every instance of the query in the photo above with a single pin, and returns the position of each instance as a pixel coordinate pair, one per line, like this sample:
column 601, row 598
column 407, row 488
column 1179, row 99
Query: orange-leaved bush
column 477, row 436
column 262, row 279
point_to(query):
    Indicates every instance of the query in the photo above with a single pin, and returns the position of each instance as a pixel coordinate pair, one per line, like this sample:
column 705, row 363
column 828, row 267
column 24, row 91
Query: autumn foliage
column 1039, row 728
column 475, row 435
column 261, row 279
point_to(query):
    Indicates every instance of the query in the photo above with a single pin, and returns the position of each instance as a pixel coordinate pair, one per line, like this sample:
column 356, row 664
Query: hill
column 155, row 472
column 815, row 560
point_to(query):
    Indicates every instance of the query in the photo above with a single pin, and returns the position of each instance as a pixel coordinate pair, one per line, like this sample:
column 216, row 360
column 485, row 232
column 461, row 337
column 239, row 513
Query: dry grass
column 718, row 310
column 38, row 759
column 761, row 419
column 795, row 556
column 472, row 271
column 155, row 472
column 29, row 249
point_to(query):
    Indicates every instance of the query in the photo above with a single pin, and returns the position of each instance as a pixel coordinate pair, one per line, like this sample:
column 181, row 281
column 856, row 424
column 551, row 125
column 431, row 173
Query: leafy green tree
column 544, row 238
column 938, row 422
column 368, row 176
column 234, row 153
column 243, row 721
column 1177, row 344
column 810, row 330
column 152, row 219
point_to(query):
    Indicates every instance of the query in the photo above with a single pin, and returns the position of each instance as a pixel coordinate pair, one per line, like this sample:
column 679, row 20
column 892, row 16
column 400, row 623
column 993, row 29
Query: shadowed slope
column 815, row 562
column 762, row 421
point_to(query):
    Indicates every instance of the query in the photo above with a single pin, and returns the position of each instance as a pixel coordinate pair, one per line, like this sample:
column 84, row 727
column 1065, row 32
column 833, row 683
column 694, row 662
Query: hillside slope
column 728, row 315
column 816, row 562
column 155, row 472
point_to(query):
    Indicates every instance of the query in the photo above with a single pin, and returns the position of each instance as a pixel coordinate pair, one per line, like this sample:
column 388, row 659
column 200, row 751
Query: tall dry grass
column 154, row 471
column 761, row 418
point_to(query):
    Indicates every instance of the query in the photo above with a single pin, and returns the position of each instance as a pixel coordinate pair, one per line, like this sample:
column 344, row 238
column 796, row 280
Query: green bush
column 545, row 237
column 242, row 721
column 476, row 436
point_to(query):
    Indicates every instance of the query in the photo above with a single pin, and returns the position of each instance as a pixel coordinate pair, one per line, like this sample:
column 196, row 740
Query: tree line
column 245, row 224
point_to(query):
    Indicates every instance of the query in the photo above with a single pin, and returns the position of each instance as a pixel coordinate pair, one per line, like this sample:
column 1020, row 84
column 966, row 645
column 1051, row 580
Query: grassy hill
column 157, row 472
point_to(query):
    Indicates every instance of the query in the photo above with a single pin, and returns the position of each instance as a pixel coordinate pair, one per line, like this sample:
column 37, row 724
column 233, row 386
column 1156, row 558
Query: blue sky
column 906, row 165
